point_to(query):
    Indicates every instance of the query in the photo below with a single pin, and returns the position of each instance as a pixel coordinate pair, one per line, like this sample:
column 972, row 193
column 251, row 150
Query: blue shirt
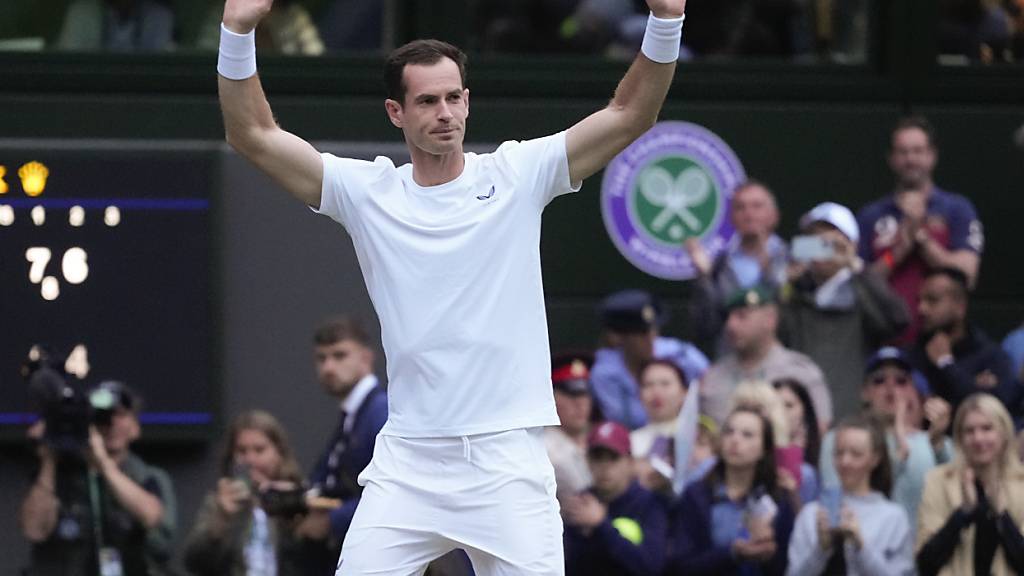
column 726, row 519
column 616, row 390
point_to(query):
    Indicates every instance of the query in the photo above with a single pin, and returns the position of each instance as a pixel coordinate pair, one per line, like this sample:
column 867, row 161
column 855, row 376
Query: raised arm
column 249, row 124
column 596, row 139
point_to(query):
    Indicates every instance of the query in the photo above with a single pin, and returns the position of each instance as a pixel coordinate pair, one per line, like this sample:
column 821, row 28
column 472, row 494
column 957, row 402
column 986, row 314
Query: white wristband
column 662, row 37
column 236, row 59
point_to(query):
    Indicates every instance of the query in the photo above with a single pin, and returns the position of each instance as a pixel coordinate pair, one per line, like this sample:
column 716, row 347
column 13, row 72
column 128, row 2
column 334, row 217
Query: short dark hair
column 881, row 475
column 920, row 123
column 956, row 276
column 420, row 52
column 338, row 328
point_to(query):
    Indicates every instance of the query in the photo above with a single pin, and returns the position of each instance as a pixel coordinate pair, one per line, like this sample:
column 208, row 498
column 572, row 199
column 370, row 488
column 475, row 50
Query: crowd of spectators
column 968, row 31
column 845, row 416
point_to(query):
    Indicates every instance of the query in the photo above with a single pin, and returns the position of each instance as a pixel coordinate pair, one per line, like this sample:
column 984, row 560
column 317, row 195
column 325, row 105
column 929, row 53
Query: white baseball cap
column 835, row 214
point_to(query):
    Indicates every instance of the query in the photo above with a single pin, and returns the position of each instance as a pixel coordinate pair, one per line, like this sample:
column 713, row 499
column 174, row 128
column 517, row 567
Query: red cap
column 610, row 435
column 570, row 373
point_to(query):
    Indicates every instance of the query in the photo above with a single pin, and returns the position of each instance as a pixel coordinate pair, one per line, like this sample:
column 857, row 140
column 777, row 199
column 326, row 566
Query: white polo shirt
column 454, row 274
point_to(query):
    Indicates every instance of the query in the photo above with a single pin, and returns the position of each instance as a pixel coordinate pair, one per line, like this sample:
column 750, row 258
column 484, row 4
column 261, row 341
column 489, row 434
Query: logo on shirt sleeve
column 487, row 197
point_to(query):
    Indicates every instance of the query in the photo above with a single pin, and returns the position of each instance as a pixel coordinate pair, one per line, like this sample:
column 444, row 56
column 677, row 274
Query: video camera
column 67, row 406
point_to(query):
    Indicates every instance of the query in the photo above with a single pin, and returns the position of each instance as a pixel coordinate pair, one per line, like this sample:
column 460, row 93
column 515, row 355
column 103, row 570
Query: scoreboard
column 106, row 259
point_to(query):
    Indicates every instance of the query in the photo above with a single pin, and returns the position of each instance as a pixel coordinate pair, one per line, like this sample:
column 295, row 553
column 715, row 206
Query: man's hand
column 938, row 347
column 98, row 454
column 667, row 8
column 585, row 511
column 698, row 255
column 937, row 412
column 913, row 205
column 241, row 16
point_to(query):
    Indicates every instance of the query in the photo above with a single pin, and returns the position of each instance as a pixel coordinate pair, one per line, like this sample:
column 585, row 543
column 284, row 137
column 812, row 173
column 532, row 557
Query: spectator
column 748, row 28
column 796, row 477
column 859, row 532
column 888, row 385
column 753, row 318
column 837, row 312
column 920, row 227
column 344, row 367
column 979, row 30
column 800, row 417
column 117, row 26
column 567, row 443
column 287, row 29
column 618, row 528
column 100, row 484
column 755, row 255
column 1013, row 345
column 956, row 357
column 734, row 521
column 632, row 319
column 663, row 389
column 972, row 507
column 353, row 25
column 234, row 534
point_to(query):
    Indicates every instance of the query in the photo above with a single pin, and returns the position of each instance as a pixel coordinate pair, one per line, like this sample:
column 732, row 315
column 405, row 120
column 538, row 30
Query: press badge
column 110, row 562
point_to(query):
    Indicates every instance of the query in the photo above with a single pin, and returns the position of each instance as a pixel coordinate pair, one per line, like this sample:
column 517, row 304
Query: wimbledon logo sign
column 674, row 183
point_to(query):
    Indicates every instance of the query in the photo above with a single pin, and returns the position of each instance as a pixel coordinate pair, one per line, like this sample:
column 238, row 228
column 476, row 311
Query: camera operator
column 95, row 507
column 239, row 530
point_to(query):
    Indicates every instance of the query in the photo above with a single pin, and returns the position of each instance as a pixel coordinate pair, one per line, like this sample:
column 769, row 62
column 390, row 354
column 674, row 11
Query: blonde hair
column 992, row 408
column 761, row 397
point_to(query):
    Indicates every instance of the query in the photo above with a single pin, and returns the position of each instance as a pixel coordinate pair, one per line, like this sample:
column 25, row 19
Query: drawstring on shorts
column 467, row 452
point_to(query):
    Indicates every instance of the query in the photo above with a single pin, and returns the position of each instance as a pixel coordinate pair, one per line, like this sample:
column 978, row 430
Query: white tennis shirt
column 454, row 275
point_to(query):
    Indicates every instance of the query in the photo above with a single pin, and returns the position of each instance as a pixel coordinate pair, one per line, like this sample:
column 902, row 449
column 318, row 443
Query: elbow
column 152, row 516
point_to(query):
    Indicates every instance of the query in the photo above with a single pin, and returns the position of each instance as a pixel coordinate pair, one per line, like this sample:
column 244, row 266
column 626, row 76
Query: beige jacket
column 942, row 496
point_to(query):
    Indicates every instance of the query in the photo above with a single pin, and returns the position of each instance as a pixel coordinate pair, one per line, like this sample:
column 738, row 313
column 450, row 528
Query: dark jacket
column 70, row 549
column 972, row 355
column 840, row 341
column 215, row 545
column 690, row 549
column 369, row 419
column 605, row 551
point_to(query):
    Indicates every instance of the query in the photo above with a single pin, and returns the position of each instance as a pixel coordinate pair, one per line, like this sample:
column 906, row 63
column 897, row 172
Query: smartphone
column 831, row 499
column 809, row 248
column 240, row 472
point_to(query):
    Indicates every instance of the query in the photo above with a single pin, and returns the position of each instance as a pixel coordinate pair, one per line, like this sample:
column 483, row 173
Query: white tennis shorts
column 492, row 495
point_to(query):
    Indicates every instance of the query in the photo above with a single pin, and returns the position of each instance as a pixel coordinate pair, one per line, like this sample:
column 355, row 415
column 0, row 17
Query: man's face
column 638, row 346
column 842, row 247
column 885, row 386
column 341, row 365
column 573, row 411
column 939, row 306
column 612, row 472
column 433, row 115
column 754, row 212
column 750, row 327
column 912, row 158
column 121, row 432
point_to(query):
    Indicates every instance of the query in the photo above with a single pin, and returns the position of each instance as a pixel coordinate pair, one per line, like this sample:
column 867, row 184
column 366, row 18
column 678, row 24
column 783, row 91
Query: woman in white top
column 663, row 388
column 858, row 530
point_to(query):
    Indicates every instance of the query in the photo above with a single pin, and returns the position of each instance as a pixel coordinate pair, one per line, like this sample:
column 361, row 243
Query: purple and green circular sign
column 673, row 183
